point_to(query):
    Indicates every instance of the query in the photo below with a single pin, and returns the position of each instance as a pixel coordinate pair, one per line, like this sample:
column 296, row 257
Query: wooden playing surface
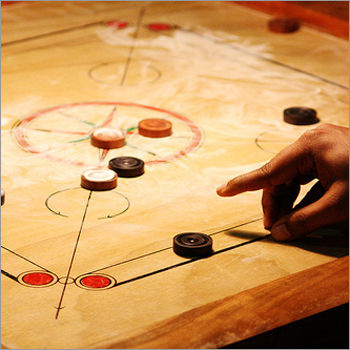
column 223, row 80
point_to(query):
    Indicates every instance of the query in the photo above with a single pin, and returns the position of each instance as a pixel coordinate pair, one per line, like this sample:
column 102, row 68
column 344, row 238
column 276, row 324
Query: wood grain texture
column 251, row 312
column 326, row 16
column 65, row 71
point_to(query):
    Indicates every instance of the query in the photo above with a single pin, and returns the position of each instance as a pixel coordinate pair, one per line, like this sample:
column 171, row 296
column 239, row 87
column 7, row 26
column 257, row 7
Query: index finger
column 285, row 166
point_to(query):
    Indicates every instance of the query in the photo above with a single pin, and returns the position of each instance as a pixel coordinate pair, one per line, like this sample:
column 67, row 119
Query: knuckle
column 309, row 136
column 325, row 127
column 339, row 203
column 265, row 170
column 266, row 173
column 321, row 136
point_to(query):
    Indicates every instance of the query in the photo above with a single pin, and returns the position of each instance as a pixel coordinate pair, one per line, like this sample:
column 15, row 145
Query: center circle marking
column 21, row 131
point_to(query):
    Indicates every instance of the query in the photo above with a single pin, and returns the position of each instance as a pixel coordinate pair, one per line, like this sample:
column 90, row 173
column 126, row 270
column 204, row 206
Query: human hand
column 321, row 153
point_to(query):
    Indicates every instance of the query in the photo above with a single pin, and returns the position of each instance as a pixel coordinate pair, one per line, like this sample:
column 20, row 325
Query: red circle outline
column 19, row 129
column 160, row 26
column 117, row 24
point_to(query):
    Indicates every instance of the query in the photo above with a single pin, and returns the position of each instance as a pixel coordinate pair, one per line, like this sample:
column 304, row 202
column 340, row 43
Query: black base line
column 167, row 248
column 233, row 227
column 62, row 31
column 241, row 244
column 270, row 60
column 236, row 48
column 189, row 261
column 24, row 258
column 130, row 260
column 7, row 274
column 59, row 307
column 73, row 256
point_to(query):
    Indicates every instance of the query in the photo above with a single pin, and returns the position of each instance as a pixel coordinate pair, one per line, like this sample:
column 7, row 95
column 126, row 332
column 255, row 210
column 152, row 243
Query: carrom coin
column 108, row 138
column 193, row 244
column 283, row 25
column 127, row 166
column 155, row 127
column 300, row 116
column 99, row 179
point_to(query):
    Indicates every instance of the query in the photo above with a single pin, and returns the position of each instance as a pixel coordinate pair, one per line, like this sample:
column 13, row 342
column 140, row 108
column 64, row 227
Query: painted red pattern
column 37, row 278
column 117, row 24
column 95, row 281
column 20, row 137
column 18, row 133
column 160, row 26
column 109, row 118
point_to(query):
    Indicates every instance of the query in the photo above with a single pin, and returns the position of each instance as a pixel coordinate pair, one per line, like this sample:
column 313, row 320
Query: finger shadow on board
column 331, row 240
column 248, row 235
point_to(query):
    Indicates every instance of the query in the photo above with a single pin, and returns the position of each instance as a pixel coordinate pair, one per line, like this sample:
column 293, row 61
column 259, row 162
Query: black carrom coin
column 127, row 166
column 283, row 25
column 193, row 245
column 300, row 116
column 2, row 196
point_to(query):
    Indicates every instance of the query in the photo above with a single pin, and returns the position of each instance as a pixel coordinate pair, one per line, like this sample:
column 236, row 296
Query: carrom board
column 87, row 269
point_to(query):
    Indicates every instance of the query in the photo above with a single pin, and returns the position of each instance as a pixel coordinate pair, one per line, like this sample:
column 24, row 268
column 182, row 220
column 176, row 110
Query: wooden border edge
column 327, row 23
column 249, row 313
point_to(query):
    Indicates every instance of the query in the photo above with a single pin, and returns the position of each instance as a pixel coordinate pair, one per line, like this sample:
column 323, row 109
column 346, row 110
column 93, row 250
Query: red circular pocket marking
column 95, row 281
column 118, row 24
column 160, row 26
column 37, row 278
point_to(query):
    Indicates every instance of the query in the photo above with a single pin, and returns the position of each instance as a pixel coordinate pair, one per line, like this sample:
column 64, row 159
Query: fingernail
column 280, row 233
column 220, row 188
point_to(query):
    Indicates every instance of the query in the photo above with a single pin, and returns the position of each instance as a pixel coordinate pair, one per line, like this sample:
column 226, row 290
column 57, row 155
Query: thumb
column 329, row 209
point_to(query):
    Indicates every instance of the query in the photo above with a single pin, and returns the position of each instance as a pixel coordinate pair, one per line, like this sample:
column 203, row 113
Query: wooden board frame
column 225, row 321
column 329, row 21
